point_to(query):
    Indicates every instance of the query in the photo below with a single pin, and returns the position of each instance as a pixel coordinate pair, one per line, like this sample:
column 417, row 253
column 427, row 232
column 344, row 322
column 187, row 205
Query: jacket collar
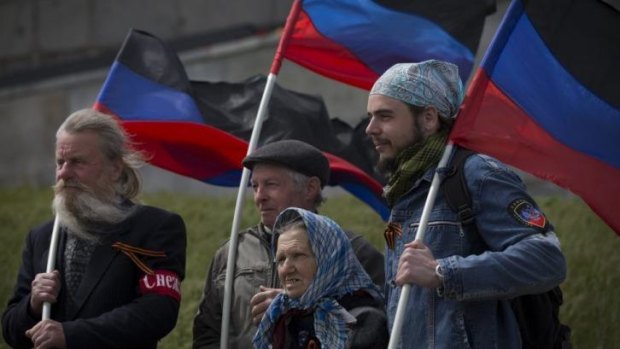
column 100, row 261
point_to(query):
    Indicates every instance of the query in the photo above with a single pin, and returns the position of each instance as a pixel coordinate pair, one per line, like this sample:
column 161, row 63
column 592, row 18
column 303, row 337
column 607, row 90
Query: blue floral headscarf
column 338, row 273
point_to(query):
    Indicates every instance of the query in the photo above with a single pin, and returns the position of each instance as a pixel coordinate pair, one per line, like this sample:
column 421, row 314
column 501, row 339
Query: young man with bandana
column 462, row 281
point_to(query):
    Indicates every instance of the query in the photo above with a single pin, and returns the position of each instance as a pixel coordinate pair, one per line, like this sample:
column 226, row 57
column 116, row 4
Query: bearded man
column 461, row 279
column 119, row 264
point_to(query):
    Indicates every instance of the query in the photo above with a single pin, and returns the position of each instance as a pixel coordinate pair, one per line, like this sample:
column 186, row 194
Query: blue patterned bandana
column 423, row 84
column 338, row 273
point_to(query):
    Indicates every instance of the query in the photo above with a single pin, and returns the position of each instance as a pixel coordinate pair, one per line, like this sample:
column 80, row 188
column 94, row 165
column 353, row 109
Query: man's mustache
column 62, row 184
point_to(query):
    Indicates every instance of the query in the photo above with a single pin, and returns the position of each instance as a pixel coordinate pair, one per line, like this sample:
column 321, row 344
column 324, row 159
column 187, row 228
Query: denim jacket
column 509, row 257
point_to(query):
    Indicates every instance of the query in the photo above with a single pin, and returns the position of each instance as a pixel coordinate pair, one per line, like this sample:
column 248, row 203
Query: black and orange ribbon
column 133, row 252
column 392, row 231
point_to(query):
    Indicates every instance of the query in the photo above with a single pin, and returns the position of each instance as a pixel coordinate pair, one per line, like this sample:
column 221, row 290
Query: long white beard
column 85, row 211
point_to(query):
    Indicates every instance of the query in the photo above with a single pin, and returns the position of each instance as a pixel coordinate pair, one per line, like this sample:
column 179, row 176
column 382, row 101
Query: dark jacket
column 295, row 330
column 115, row 306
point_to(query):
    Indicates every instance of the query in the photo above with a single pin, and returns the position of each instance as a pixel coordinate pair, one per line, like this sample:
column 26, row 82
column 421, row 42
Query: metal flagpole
column 258, row 123
column 51, row 265
column 426, row 212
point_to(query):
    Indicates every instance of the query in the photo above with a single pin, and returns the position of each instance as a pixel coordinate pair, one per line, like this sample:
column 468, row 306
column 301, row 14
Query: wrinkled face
column 392, row 127
column 274, row 191
column 85, row 190
column 80, row 164
column 297, row 264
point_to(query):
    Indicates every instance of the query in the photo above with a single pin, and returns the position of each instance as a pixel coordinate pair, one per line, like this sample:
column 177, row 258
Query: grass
column 591, row 309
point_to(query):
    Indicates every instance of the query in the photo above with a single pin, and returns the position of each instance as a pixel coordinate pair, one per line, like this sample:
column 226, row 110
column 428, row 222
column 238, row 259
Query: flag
column 201, row 129
column 355, row 41
column 546, row 98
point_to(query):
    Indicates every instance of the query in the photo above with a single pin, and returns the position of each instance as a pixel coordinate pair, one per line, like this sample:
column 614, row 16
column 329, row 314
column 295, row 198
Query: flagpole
column 51, row 265
column 245, row 174
column 426, row 212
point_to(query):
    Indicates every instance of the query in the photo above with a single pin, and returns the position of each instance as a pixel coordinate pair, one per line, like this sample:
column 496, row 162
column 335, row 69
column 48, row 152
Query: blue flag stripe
column 135, row 97
column 378, row 35
column 588, row 124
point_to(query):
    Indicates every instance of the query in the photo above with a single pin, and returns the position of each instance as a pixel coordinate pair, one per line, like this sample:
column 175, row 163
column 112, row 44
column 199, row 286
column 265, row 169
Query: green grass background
column 591, row 290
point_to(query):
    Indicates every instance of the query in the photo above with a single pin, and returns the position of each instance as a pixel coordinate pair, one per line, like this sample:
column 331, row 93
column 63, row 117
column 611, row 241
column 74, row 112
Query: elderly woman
column 328, row 300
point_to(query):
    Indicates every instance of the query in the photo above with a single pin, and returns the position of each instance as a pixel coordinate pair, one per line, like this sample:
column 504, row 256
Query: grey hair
column 293, row 223
column 300, row 181
column 115, row 144
column 289, row 222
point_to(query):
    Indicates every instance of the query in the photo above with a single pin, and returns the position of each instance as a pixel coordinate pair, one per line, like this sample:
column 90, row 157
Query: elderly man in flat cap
column 462, row 279
column 285, row 174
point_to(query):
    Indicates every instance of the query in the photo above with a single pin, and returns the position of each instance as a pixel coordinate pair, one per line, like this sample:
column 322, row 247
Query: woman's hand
column 261, row 301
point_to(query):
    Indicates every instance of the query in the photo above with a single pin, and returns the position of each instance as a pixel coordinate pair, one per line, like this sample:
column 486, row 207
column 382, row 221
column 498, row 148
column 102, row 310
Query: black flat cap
column 296, row 155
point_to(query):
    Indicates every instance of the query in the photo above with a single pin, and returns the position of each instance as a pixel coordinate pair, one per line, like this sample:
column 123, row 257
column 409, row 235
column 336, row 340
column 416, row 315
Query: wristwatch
column 439, row 274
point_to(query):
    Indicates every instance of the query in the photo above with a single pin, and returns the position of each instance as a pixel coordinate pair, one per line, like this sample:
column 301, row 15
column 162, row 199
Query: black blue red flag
column 546, row 98
column 355, row 41
column 201, row 129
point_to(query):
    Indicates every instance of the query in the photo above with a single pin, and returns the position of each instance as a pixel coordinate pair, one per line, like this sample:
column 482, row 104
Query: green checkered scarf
column 412, row 163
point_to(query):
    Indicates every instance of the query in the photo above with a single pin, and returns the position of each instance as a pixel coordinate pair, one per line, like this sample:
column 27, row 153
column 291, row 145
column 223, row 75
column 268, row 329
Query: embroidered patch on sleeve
column 161, row 282
column 525, row 213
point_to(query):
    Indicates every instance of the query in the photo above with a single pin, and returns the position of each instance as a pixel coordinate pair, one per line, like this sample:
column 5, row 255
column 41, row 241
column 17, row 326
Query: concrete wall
column 37, row 32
